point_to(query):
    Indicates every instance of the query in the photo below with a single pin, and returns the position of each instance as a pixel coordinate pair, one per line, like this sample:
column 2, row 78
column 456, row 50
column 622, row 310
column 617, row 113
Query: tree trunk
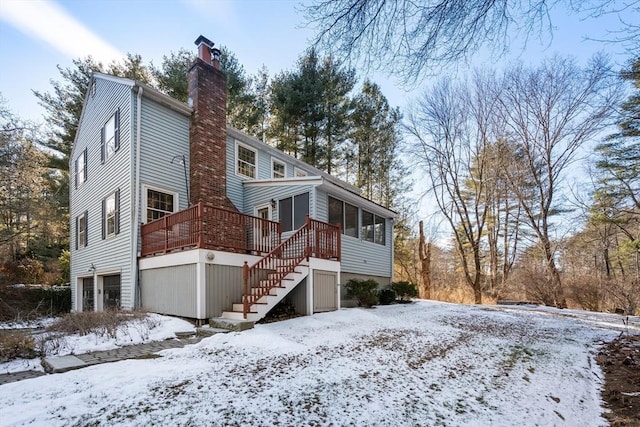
column 424, row 252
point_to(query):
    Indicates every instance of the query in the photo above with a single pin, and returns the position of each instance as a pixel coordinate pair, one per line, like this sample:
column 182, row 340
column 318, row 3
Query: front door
column 87, row 294
column 111, row 291
column 262, row 231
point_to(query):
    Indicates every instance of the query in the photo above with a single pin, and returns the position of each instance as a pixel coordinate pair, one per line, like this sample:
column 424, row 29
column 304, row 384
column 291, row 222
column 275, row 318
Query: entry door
column 87, row 294
column 111, row 291
column 262, row 232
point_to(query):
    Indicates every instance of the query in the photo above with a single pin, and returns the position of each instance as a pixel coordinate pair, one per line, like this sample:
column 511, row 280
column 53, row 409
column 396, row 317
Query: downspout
column 136, row 206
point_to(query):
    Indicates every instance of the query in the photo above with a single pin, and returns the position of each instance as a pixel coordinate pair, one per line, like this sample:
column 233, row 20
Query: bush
column 16, row 344
column 364, row 291
column 387, row 296
column 101, row 323
column 405, row 290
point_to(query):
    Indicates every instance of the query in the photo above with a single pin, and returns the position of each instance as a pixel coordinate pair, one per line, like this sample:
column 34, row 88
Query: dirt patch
column 620, row 361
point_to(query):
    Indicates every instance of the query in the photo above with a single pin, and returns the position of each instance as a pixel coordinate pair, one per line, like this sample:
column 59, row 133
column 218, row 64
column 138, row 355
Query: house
column 174, row 211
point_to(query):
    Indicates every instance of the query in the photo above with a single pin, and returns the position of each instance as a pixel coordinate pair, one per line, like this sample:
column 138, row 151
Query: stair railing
column 314, row 238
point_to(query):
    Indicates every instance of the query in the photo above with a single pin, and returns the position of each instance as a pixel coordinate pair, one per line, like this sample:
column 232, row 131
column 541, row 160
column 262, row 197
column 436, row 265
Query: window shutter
column 86, row 228
column 77, row 232
column 117, row 131
column 102, row 145
column 86, row 161
column 117, row 215
column 75, row 174
column 104, row 212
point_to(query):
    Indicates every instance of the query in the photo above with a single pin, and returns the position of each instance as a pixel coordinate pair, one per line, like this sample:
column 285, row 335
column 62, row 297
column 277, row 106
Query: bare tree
column 450, row 127
column 413, row 39
column 550, row 113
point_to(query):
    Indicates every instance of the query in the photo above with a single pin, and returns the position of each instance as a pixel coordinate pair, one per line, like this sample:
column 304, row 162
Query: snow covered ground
column 426, row 363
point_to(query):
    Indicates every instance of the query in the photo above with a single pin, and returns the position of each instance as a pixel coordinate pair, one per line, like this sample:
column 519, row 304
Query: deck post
column 245, row 278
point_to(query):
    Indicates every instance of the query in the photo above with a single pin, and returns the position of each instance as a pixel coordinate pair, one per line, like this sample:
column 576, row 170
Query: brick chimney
column 208, row 129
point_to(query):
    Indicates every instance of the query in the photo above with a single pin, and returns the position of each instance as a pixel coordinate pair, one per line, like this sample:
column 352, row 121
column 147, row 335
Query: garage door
column 324, row 290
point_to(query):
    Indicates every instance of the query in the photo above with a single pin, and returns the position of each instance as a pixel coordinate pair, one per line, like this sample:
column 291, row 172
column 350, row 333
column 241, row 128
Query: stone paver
column 59, row 364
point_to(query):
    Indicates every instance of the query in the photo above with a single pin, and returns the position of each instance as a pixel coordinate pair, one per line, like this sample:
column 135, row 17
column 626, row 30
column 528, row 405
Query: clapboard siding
column 164, row 139
column 170, row 290
column 359, row 256
column 112, row 254
column 224, row 287
column 298, row 298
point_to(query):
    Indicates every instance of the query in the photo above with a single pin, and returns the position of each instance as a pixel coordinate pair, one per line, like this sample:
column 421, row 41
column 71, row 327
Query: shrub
column 405, row 290
column 101, row 323
column 364, row 292
column 16, row 344
column 387, row 296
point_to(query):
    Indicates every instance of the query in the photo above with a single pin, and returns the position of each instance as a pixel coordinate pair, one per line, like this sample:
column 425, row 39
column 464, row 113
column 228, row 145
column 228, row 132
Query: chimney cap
column 203, row 40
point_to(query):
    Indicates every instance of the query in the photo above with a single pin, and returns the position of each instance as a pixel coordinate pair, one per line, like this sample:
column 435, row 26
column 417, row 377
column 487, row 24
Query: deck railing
column 207, row 227
column 314, row 239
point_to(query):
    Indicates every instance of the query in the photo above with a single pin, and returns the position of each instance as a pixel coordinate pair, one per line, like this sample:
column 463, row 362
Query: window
column 159, row 204
column 278, row 169
column 81, row 230
column 246, row 161
column 81, row 168
column 299, row 172
column 111, row 137
column 111, row 215
column 293, row 211
column 345, row 215
column 373, row 229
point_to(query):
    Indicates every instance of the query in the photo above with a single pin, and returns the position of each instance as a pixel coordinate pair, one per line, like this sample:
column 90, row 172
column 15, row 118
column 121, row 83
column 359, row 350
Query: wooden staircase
column 270, row 279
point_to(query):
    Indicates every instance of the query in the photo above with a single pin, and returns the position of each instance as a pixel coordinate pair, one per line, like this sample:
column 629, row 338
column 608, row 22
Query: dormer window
column 111, row 136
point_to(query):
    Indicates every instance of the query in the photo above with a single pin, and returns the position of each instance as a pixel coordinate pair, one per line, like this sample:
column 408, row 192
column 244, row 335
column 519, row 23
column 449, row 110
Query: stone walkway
column 58, row 364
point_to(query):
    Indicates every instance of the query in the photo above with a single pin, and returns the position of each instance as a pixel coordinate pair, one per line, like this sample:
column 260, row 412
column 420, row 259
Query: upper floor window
column 81, row 229
column 246, row 161
column 159, row 203
column 343, row 214
column 81, row 169
column 111, row 137
column 373, row 229
column 278, row 168
column 299, row 172
column 111, row 215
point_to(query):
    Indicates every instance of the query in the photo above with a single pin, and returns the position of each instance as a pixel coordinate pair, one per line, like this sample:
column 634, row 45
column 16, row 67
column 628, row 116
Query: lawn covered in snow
column 426, row 363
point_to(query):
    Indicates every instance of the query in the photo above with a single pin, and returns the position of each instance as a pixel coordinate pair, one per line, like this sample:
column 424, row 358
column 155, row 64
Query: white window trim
column 235, row 160
column 108, row 155
column 80, row 171
column 107, row 234
column 82, row 218
column 273, row 162
column 145, row 187
column 297, row 172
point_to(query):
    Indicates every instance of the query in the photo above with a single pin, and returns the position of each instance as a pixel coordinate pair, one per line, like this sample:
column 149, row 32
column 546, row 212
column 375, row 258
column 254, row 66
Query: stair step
column 233, row 323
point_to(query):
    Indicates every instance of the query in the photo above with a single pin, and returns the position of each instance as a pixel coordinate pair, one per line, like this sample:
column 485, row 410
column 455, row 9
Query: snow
column 426, row 363
column 153, row 327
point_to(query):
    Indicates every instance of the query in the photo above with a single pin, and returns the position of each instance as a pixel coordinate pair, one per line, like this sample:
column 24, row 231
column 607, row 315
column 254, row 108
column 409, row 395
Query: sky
column 37, row 36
